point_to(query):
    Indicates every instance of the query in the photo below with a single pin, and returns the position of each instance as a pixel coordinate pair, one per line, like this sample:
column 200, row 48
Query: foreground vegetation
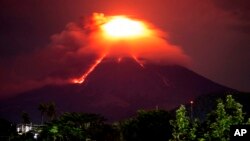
column 153, row 125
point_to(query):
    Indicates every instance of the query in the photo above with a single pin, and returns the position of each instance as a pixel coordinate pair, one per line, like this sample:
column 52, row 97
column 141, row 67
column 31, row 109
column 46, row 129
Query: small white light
column 35, row 136
column 27, row 129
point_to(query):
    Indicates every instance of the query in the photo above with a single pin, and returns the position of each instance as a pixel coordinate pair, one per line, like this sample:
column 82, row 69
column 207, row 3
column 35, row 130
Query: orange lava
column 138, row 61
column 119, row 59
column 86, row 74
column 122, row 36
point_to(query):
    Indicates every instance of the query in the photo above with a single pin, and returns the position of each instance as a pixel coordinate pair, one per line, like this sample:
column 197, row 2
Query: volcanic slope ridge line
column 117, row 90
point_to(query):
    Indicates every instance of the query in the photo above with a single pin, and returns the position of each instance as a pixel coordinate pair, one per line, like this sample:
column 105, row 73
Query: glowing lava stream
column 92, row 68
column 137, row 60
column 118, row 28
column 86, row 74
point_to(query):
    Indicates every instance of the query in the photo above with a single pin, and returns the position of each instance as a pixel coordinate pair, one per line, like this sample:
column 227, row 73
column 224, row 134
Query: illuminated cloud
column 76, row 48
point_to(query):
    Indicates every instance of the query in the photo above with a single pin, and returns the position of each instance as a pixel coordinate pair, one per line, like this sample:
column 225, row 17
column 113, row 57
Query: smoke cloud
column 73, row 50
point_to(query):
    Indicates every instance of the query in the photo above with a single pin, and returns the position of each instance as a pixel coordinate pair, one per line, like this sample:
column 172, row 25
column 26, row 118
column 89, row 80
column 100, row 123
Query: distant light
column 27, row 128
column 191, row 102
column 35, row 135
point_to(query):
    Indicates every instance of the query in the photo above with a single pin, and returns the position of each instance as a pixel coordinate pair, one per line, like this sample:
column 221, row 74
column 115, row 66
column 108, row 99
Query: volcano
column 116, row 90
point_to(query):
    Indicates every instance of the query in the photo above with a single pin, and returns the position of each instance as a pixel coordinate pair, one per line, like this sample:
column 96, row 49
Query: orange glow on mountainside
column 121, row 36
column 138, row 61
column 86, row 74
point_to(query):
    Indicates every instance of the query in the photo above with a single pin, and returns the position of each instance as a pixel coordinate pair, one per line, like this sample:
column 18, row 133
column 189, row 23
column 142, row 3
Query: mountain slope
column 117, row 90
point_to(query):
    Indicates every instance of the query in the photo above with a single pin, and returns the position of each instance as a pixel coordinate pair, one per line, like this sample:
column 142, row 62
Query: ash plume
column 73, row 50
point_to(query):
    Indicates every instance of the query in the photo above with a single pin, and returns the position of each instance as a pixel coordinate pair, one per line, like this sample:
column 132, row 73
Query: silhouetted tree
column 7, row 130
column 25, row 118
column 43, row 109
column 51, row 110
column 48, row 110
column 78, row 126
column 147, row 126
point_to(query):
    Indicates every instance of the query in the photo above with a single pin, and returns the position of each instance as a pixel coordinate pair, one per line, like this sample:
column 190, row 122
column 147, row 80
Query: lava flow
column 93, row 66
column 138, row 61
column 121, row 36
column 86, row 74
column 116, row 28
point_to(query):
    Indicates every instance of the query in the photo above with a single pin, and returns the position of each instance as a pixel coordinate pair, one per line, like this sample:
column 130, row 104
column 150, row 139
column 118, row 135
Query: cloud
column 62, row 59
column 74, row 49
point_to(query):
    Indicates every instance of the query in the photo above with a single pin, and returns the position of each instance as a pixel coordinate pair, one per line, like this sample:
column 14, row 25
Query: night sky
column 215, row 34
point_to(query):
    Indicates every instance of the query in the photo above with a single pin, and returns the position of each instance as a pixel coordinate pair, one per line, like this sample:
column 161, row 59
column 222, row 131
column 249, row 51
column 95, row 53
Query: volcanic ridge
column 116, row 89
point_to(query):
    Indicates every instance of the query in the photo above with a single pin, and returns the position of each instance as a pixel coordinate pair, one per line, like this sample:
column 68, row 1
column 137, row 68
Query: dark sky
column 214, row 33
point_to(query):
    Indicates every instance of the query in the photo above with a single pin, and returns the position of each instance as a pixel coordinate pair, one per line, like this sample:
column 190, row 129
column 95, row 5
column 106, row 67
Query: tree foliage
column 216, row 126
column 78, row 126
column 25, row 118
column 43, row 109
column 147, row 126
column 151, row 125
column 183, row 128
column 48, row 110
column 227, row 113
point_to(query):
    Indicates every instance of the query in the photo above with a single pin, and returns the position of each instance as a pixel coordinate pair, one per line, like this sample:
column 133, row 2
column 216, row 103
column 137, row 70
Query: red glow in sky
column 76, row 51
column 215, row 34
column 116, row 28
column 86, row 74
column 121, row 36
